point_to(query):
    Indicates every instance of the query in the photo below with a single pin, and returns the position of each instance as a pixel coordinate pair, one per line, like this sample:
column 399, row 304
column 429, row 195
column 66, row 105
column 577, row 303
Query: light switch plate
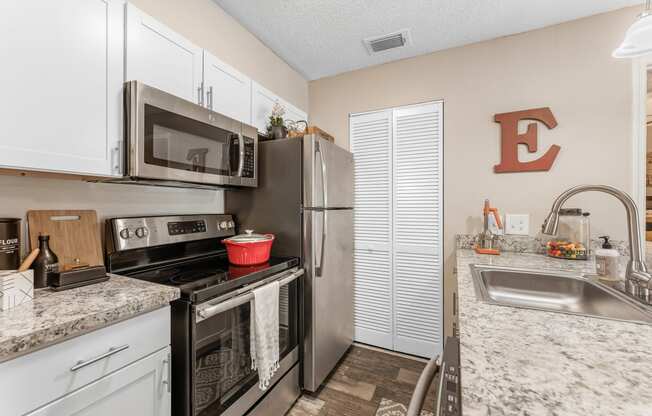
column 517, row 224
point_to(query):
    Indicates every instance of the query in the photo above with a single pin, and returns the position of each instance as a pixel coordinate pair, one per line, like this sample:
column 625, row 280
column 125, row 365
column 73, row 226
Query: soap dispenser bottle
column 607, row 261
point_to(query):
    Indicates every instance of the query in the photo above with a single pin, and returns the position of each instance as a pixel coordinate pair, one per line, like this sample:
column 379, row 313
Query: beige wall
column 204, row 23
column 566, row 67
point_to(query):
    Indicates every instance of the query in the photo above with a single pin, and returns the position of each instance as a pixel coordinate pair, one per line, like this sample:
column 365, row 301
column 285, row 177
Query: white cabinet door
column 161, row 58
column 227, row 90
column 294, row 114
column 262, row 102
column 62, row 74
column 142, row 388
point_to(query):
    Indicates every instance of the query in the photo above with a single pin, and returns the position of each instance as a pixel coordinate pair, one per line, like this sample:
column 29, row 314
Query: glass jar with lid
column 573, row 238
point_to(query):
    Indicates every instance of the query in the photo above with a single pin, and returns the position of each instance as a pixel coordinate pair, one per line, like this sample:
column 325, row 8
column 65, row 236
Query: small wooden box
column 15, row 288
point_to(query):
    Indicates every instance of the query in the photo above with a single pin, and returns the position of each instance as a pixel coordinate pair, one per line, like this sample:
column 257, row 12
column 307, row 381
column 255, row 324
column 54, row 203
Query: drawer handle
column 110, row 352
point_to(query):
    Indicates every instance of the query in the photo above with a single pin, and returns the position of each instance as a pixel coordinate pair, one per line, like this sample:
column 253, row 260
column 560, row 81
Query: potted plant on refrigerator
column 276, row 126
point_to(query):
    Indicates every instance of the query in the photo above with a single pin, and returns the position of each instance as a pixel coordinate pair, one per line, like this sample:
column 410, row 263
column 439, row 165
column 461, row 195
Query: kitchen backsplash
column 21, row 194
column 530, row 244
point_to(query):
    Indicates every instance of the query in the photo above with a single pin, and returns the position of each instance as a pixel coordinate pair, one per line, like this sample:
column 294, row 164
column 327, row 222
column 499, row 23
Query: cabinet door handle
column 200, row 94
column 209, row 97
column 110, row 352
column 168, row 363
column 115, row 159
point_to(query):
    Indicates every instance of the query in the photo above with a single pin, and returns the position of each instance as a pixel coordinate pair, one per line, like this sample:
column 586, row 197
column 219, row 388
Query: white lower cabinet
column 122, row 369
column 142, row 388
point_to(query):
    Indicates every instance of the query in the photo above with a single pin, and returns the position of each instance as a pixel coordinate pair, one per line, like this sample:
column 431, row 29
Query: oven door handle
column 234, row 302
column 423, row 385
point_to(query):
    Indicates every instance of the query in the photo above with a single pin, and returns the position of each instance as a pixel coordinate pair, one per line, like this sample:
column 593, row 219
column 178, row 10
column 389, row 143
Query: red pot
column 249, row 249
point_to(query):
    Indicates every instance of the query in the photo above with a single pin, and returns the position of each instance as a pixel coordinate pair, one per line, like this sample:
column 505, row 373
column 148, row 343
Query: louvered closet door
column 417, row 229
column 370, row 136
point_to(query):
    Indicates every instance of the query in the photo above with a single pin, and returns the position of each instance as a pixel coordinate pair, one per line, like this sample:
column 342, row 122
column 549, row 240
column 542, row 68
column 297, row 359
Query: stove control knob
column 142, row 232
column 126, row 233
column 231, row 224
column 224, row 225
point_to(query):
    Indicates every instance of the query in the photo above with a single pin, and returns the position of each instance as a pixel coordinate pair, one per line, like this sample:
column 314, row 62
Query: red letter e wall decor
column 510, row 139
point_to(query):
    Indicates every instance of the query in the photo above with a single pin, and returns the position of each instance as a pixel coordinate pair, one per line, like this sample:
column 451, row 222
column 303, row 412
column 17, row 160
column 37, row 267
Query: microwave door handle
column 241, row 154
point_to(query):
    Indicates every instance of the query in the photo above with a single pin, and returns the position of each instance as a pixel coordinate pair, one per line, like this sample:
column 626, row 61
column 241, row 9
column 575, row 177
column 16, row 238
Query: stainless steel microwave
column 174, row 142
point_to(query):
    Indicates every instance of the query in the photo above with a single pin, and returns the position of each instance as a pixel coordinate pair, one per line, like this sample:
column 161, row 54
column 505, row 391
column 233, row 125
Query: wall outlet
column 517, row 224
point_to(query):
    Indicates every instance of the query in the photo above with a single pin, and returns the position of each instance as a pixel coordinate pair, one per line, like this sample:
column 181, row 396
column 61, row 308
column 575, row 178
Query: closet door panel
column 370, row 136
column 417, row 229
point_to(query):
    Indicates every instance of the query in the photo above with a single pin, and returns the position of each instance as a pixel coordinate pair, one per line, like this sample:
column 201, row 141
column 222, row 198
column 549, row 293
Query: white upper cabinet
column 62, row 72
column 227, row 90
column 262, row 101
column 161, row 58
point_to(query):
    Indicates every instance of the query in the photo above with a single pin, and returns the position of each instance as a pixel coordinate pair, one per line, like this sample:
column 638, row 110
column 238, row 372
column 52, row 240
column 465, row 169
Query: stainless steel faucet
column 638, row 281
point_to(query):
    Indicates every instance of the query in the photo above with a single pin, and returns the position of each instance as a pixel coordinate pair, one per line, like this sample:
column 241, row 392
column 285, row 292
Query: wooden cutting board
column 73, row 235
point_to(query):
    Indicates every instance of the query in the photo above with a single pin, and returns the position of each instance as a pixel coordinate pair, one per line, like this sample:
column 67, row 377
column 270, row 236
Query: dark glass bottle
column 46, row 263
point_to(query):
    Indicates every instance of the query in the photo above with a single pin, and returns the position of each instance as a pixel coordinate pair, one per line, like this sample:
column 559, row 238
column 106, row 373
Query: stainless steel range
column 211, row 360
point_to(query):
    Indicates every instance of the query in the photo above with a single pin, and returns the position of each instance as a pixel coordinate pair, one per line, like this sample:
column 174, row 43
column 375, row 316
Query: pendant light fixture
column 638, row 39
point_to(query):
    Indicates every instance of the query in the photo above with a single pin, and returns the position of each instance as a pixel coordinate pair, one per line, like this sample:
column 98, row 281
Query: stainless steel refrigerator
column 305, row 198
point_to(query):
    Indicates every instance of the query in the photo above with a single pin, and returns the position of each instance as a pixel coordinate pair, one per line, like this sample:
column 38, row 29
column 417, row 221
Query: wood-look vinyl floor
column 361, row 380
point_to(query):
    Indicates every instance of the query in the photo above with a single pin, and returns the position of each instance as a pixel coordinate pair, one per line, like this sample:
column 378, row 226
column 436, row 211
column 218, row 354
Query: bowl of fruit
column 566, row 250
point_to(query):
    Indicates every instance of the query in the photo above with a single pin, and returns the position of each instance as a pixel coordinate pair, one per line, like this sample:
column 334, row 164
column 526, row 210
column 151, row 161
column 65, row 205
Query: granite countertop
column 528, row 362
column 55, row 316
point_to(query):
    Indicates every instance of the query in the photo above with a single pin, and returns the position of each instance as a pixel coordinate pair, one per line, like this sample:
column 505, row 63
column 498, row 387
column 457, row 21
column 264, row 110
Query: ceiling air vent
column 386, row 42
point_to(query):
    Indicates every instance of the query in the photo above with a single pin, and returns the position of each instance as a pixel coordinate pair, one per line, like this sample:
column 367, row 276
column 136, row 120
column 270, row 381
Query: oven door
column 222, row 380
column 173, row 139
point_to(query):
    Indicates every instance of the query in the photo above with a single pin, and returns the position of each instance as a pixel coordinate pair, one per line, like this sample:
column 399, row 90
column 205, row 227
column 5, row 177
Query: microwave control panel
column 249, row 168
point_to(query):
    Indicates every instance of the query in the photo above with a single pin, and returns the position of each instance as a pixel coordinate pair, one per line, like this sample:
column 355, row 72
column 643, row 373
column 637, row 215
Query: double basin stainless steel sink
column 556, row 292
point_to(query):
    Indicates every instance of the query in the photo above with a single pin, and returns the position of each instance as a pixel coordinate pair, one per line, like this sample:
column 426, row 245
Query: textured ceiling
column 324, row 37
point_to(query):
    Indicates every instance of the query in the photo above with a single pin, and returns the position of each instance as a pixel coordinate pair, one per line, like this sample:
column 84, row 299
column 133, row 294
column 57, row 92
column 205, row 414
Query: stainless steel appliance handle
column 234, row 302
column 209, row 97
column 324, row 218
column 241, row 150
column 110, row 352
column 324, row 175
column 320, row 257
column 421, row 389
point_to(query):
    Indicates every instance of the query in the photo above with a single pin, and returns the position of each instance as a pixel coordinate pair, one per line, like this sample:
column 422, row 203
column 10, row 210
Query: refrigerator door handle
column 324, row 198
column 320, row 257
column 324, row 175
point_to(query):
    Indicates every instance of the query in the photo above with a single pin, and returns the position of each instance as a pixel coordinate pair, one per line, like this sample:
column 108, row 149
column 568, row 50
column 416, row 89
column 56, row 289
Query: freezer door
column 328, row 174
column 329, row 292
